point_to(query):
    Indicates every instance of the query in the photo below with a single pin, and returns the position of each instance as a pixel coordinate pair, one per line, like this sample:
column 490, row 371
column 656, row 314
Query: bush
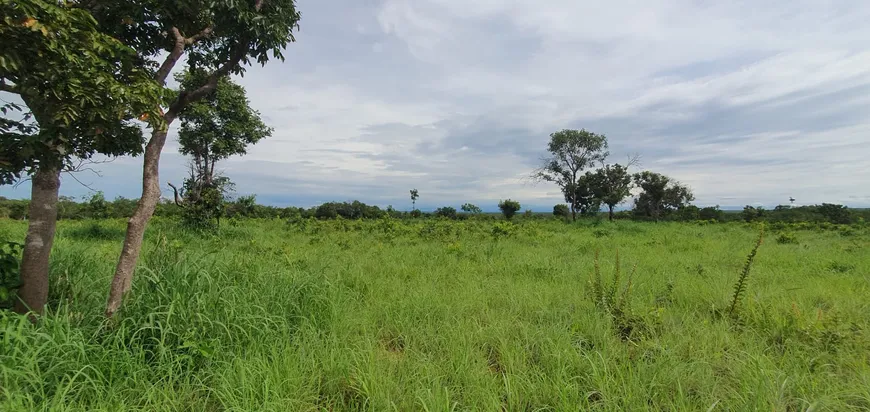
column 509, row 208
column 787, row 238
column 561, row 210
column 446, row 211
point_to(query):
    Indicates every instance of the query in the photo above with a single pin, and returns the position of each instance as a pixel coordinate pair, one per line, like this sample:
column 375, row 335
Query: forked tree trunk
column 33, row 294
column 123, row 279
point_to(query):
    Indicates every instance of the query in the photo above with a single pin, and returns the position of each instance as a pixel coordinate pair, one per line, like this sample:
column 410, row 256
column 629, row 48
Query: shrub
column 509, row 208
column 9, row 274
column 446, row 211
column 561, row 210
column 503, row 230
column 787, row 238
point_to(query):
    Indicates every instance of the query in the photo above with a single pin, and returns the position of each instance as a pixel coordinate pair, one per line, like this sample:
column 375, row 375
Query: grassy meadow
column 435, row 315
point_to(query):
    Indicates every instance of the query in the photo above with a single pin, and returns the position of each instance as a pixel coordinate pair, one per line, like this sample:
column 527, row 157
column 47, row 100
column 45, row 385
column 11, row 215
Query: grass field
column 437, row 316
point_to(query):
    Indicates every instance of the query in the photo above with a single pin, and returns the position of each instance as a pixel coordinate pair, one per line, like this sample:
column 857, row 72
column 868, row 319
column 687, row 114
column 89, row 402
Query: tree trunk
column 123, row 279
column 33, row 294
column 573, row 214
column 610, row 213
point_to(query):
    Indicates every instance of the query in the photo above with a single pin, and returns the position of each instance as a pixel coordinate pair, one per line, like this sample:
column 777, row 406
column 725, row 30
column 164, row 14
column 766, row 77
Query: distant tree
column 220, row 125
column 96, row 207
column 689, row 213
column 835, row 213
column 612, row 185
column 712, row 213
column 751, row 213
column 561, row 210
column 414, row 196
column 571, row 151
column 470, row 208
column 446, row 211
column 586, row 202
column 660, row 195
column 509, row 208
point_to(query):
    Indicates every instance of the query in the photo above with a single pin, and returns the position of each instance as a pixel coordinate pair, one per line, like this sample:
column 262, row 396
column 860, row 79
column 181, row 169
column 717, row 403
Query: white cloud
column 747, row 101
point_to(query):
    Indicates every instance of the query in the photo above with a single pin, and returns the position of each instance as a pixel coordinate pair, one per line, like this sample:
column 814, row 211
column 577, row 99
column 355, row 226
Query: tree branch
column 187, row 97
column 172, row 58
column 9, row 88
column 206, row 32
column 178, row 200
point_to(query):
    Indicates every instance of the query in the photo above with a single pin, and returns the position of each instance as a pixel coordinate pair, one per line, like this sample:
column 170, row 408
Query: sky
column 746, row 102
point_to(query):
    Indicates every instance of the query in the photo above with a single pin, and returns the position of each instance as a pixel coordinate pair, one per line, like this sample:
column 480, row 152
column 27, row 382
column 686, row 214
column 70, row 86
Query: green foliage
column 501, row 230
column 10, row 257
column 712, row 213
column 96, row 207
column 787, row 238
column 82, row 88
column 584, row 196
column 752, row 214
column 615, row 299
column 561, row 210
column 740, row 286
column 509, row 208
column 470, row 208
column 572, row 151
column 660, row 195
column 446, row 212
column 204, row 207
column 611, row 185
column 414, row 196
column 220, row 125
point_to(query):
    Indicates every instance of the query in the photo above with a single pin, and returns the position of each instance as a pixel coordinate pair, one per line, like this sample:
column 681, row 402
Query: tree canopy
column 571, row 152
column 660, row 195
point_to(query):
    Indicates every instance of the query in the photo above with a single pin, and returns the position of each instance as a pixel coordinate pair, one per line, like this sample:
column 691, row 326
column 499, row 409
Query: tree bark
column 123, row 279
column 33, row 294
column 610, row 214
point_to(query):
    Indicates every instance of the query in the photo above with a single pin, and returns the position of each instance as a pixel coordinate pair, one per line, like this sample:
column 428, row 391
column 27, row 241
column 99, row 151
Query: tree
column 414, row 196
column 660, row 195
column 509, row 208
column 446, row 211
column 584, row 197
column 712, row 213
column 751, row 213
column 82, row 90
column 561, row 210
column 218, row 37
column 835, row 213
column 470, row 208
column 571, row 151
column 215, row 128
column 612, row 185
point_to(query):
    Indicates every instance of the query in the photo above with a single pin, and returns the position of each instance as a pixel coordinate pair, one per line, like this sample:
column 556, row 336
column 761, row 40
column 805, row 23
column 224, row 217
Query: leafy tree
column 470, row 208
column 612, row 185
column 751, row 213
column 571, row 151
column 218, row 38
column 414, row 196
column 584, row 196
column 561, row 210
column 712, row 213
column 97, row 207
column 82, row 90
column 215, row 128
column 835, row 213
column 446, row 211
column 689, row 213
column 660, row 195
column 509, row 208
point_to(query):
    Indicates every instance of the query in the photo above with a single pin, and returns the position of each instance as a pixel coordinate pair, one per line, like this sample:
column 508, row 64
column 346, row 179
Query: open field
column 437, row 315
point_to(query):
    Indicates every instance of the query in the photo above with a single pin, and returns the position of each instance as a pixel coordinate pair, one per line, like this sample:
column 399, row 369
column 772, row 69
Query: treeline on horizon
column 98, row 207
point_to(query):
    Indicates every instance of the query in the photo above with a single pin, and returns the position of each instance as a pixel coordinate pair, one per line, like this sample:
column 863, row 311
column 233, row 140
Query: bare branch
column 178, row 200
column 172, row 58
column 633, row 160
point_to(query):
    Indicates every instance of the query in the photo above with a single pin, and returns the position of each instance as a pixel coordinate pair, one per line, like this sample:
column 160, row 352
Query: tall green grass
column 436, row 315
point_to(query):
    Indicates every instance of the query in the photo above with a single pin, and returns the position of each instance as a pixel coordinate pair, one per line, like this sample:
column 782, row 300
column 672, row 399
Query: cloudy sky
column 745, row 101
